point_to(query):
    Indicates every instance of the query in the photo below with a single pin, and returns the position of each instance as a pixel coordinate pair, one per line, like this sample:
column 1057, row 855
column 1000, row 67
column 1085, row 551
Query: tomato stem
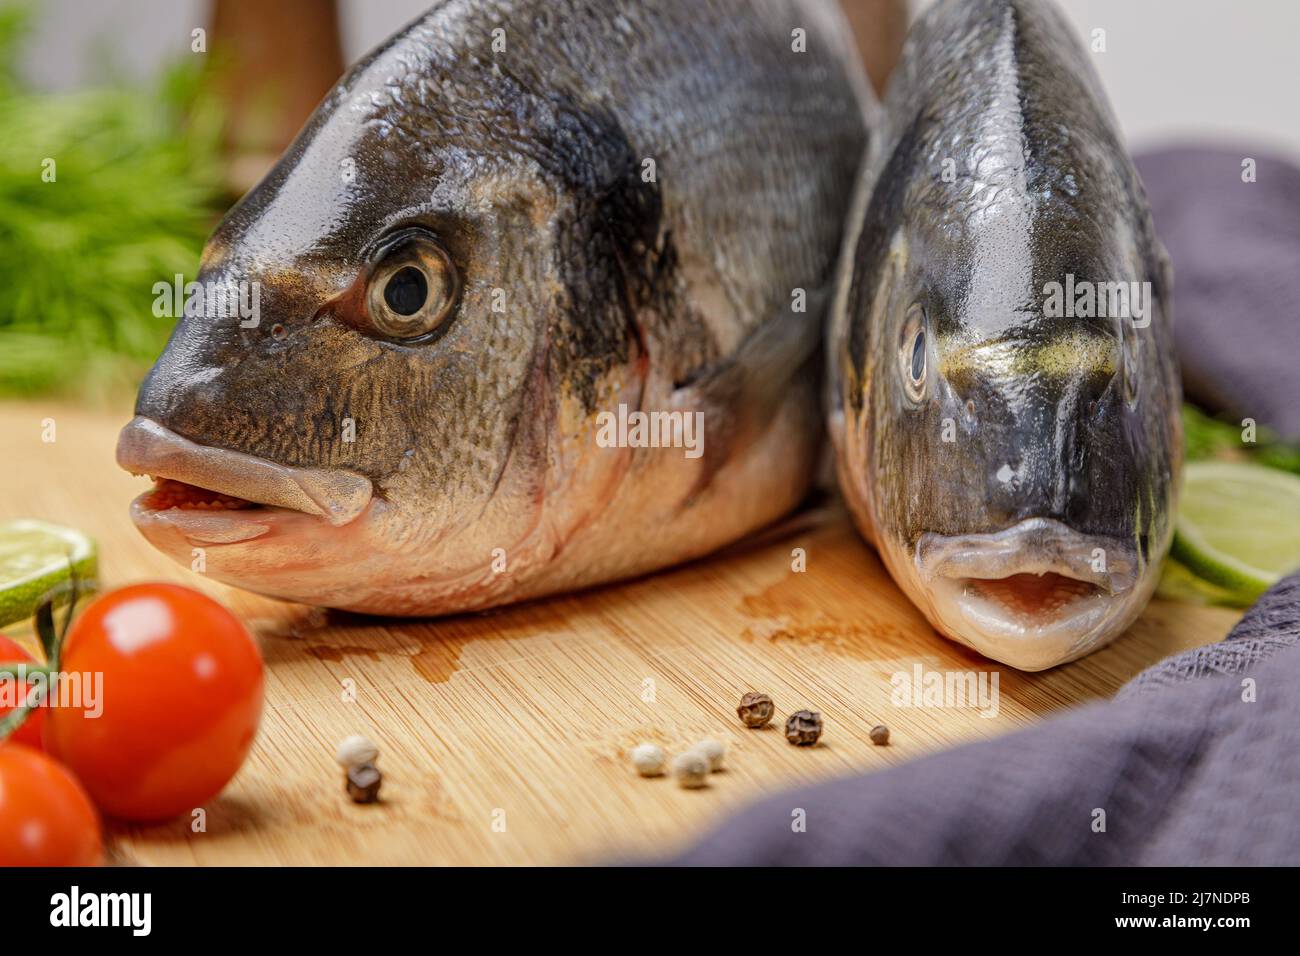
column 26, row 668
column 51, row 643
column 14, row 719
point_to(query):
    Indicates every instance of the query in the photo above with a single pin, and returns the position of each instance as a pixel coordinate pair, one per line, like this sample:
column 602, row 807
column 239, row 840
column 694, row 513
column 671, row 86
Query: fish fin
column 740, row 393
column 768, row 358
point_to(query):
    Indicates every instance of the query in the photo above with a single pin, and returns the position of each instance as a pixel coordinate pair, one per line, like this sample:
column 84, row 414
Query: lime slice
column 35, row 558
column 1179, row 584
column 1238, row 526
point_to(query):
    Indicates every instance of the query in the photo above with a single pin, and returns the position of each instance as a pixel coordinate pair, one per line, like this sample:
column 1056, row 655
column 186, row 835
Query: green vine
column 51, row 638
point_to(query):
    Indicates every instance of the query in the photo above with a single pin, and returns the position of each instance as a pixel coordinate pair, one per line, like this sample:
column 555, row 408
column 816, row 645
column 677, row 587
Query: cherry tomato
column 30, row 731
column 46, row 819
column 181, row 699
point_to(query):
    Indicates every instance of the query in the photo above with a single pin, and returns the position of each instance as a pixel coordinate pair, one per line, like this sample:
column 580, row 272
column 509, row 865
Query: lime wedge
column 35, row 558
column 1238, row 526
column 1179, row 584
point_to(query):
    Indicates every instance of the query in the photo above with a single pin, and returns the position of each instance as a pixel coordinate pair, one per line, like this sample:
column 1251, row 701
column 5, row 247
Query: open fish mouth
column 217, row 496
column 1032, row 595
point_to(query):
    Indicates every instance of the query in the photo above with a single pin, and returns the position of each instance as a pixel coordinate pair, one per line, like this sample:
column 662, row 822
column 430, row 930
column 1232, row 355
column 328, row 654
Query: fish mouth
column 1033, row 595
column 217, row 496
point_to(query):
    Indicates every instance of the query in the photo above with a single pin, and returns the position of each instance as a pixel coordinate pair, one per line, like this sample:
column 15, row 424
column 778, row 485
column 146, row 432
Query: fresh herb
column 1206, row 437
column 103, row 192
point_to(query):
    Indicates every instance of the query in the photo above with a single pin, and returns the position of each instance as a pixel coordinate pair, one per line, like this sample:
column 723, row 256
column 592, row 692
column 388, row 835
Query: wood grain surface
column 504, row 735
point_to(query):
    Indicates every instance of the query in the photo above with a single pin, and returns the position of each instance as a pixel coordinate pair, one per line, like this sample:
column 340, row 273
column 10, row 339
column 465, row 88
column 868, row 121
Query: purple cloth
column 1187, row 772
column 1235, row 248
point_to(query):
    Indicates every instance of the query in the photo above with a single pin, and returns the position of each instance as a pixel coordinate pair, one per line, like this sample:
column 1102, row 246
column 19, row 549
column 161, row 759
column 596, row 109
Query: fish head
column 424, row 290
column 1014, row 445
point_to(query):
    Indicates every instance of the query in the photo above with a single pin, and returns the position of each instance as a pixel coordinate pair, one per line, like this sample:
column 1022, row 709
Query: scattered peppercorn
column 803, row 728
column 755, row 710
column 691, row 770
column 879, row 735
column 364, row 782
column 356, row 750
column 713, row 751
column 649, row 760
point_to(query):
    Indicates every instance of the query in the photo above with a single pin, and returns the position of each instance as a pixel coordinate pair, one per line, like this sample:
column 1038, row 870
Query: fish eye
column 912, row 352
column 406, row 290
column 413, row 288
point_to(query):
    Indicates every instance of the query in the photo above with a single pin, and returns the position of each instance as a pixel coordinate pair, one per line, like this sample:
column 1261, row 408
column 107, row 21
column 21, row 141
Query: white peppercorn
column 691, row 770
column 713, row 751
column 355, row 751
column 649, row 760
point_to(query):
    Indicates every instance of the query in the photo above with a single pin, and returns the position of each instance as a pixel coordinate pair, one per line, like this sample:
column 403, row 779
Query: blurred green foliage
column 1206, row 437
column 136, row 190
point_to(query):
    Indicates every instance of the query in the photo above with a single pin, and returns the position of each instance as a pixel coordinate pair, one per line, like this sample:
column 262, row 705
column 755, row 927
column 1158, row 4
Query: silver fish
column 507, row 232
column 1003, row 390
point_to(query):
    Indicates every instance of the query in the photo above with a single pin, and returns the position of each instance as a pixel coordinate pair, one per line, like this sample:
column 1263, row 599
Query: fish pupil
column 406, row 291
column 918, row 356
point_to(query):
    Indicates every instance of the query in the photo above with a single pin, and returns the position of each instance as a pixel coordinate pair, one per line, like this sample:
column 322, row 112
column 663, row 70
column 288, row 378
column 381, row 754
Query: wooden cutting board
column 504, row 735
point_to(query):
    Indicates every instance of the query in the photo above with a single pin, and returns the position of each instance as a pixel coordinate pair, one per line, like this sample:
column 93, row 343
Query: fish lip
column 146, row 447
column 945, row 566
column 1032, row 546
column 201, row 527
column 1033, row 645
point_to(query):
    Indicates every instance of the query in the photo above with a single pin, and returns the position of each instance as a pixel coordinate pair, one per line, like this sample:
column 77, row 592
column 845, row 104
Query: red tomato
column 46, row 819
column 30, row 731
column 182, row 695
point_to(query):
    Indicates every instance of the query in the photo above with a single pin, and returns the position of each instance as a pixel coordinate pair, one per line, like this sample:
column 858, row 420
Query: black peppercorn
column 755, row 710
column 364, row 781
column 803, row 728
column 879, row 735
